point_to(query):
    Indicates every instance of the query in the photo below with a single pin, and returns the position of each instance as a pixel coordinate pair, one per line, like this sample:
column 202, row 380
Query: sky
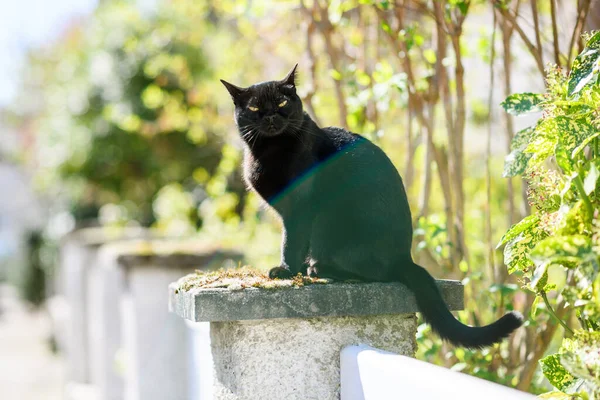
column 26, row 24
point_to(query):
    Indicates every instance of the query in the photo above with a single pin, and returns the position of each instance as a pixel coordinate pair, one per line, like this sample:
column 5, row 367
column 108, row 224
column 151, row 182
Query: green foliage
column 516, row 161
column 580, row 356
column 575, row 369
column 522, row 103
column 129, row 116
column 562, row 230
column 585, row 66
column 557, row 375
column 518, row 228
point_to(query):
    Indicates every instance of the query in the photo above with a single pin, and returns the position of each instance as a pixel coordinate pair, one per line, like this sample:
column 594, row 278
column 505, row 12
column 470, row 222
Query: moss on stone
column 241, row 278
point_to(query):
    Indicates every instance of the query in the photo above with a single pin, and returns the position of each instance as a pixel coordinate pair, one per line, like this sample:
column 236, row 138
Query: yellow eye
column 252, row 108
column 283, row 103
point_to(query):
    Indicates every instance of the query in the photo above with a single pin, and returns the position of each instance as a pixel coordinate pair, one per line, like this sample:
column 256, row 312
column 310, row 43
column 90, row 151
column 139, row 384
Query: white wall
column 372, row 374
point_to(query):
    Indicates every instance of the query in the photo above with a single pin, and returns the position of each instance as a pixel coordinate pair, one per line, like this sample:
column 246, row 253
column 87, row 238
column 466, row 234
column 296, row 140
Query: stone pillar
column 106, row 286
column 70, row 305
column 156, row 342
column 285, row 343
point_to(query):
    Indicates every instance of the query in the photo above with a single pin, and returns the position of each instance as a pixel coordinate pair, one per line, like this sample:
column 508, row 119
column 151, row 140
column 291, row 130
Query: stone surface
column 156, row 342
column 176, row 253
column 297, row 359
column 79, row 250
column 97, row 236
column 106, row 284
column 335, row 299
column 73, row 270
column 285, row 342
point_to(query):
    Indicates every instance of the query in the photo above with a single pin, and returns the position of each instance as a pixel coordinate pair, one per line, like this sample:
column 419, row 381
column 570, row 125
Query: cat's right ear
column 235, row 91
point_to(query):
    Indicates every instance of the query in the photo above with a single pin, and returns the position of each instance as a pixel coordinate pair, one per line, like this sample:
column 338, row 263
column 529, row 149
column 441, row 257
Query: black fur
column 342, row 203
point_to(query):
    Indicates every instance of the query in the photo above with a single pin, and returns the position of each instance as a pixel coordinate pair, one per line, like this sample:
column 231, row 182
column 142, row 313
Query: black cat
column 342, row 202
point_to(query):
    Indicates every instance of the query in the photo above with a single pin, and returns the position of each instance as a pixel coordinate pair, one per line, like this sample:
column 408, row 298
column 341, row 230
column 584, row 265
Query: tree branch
column 554, row 33
column 582, row 12
column 511, row 19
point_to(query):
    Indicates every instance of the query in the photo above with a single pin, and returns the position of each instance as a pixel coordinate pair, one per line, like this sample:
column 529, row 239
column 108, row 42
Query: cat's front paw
column 312, row 271
column 280, row 272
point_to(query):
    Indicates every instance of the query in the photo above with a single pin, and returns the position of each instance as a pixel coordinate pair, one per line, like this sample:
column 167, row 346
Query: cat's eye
column 251, row 108
column 283, row 103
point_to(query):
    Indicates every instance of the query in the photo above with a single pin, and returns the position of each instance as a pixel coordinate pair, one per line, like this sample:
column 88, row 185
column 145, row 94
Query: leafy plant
column 555, row 249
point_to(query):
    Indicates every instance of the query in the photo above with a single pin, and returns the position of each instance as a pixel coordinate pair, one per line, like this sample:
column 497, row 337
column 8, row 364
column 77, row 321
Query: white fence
column 372, row 374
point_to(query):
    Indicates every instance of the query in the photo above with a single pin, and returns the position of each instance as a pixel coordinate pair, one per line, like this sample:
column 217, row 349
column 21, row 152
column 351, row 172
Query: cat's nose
column 270, row 118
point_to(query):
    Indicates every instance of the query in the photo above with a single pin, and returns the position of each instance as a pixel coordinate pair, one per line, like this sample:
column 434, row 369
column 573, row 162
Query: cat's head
column 267, row 109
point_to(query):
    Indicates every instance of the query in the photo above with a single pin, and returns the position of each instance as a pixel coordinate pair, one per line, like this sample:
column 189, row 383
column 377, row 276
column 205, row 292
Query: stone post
column 285, row 343
column 155, row 341
column 70, row 305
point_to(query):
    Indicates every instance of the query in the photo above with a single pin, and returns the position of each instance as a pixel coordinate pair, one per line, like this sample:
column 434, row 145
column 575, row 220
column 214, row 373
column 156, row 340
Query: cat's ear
column 234, row 91
column 290, row 79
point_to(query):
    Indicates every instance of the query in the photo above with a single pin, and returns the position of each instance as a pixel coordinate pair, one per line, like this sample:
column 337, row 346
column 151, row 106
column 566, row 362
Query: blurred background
column 112, row 114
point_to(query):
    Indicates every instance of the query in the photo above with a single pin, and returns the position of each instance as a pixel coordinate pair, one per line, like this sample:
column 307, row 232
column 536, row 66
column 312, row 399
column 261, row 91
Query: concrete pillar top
column 171, row 254
column 191, row 299
column 99, row 235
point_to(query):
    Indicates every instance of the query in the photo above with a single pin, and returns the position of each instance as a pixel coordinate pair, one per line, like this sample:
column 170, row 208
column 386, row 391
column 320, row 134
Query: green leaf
column 516, row 161
column 384, row 4
column 386, row 27
column 557, row 396
column 462, row 5
column 335, row 74
column 557, row 375
column 574, row 220
column 504, row 288
column 522, row 103
column 517, row 228
column 430, row 56
column 586, row 274
column 543, row 144
column 574, row 133
column 539, row 278
column 562, row 249
column 573, row 108
column 585, row 66
column 589, row 183
column 581, row 358
column 516, row 251
column 584, row 143
column 564, row 159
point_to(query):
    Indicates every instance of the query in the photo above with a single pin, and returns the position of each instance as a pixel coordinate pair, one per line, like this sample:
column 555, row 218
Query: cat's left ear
column 290, row 79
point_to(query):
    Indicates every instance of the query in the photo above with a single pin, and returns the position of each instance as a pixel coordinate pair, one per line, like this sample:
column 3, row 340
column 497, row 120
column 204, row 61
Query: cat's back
column 356, row 149
column 339, row 137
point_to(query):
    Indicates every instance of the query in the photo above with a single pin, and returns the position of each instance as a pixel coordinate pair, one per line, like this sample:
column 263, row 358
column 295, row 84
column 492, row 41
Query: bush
column 555, row 249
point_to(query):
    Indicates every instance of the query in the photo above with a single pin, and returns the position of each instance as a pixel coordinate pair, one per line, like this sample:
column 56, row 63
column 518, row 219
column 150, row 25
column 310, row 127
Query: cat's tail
column 436, row 313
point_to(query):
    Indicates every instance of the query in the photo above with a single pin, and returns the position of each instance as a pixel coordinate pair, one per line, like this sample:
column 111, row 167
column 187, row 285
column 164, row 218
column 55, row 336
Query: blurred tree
column 127, row 113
